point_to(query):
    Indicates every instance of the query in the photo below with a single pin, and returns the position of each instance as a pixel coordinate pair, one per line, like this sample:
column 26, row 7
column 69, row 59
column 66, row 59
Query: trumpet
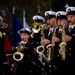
column 17, row 56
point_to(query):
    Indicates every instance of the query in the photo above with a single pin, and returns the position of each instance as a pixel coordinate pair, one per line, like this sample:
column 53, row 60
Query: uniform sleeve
column 7, row 44
column 8, row 49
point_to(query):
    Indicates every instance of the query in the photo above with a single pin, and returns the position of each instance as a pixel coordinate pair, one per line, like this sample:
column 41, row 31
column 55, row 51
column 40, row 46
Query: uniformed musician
column 36, row 30
column 62, row 32
column 71, row 38
column 26, row 65
column 51, row 23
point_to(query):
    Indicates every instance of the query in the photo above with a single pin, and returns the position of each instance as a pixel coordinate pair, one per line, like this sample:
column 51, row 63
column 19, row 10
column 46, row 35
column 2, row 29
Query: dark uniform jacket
column 36, row 39
column 28, row 63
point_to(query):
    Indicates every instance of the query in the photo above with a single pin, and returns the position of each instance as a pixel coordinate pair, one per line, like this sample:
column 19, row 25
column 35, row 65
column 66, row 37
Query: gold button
column 69, row 48
column 37, row 42
column 69, row 54
column 57, row 55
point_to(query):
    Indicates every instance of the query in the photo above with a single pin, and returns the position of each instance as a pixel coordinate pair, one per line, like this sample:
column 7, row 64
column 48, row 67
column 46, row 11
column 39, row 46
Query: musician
column 62, row 22
column 5, row 45
column 27, row 65
column 71, row 38
column 51, row 23
column 36, row 33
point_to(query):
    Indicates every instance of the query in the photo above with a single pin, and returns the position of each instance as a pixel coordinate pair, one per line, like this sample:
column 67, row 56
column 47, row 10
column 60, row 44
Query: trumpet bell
column 63, row 44
column 18, row 56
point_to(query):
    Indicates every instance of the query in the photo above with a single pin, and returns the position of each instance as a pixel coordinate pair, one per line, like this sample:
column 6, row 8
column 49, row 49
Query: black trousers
column 27, row 68
column 5, row 69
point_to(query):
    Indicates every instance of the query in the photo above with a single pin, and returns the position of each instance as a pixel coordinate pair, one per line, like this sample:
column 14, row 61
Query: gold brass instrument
column 35, row 27
column 40, row 49
column 17, row 56
column 3, row 25
column 62, row 45
column 50, row 47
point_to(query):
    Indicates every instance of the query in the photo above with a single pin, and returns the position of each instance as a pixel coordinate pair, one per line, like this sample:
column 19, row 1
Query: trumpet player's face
column 24, row 37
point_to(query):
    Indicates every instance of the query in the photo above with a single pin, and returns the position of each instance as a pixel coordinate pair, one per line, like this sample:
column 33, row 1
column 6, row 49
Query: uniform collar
column 72, row 26
column 51, row 29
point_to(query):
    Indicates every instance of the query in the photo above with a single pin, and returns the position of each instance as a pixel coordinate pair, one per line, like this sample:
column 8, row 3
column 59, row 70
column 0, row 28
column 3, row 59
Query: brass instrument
column 35, row 27
column 18, row 55
column 62, row 45
column 3, row 25
column 50, row 47
column 40, row 49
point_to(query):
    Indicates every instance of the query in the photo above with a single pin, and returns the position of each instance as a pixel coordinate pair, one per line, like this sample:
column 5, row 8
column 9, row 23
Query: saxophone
column 18, row 55
column 62, row 45
column 40, row 49
column 50, row 47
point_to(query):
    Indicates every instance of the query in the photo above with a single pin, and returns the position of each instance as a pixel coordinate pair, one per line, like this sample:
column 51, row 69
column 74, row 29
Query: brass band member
column 62, row 22
column 51, row 23
column 71, row 39
column 62, row 32
column 36, row 34
column 26, row 65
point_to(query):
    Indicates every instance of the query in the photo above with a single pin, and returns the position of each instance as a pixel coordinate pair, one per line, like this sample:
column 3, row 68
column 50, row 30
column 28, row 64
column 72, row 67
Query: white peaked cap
column 26, row 30
column 70, row 10
column 50, row 13
column 38, row 17
column 61, row 13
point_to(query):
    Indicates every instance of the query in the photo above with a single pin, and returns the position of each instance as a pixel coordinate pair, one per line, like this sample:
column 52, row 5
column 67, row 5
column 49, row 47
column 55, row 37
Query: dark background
column 31, row 9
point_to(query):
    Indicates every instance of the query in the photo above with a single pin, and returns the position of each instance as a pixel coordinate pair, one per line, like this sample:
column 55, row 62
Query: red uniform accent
column 7, row 47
